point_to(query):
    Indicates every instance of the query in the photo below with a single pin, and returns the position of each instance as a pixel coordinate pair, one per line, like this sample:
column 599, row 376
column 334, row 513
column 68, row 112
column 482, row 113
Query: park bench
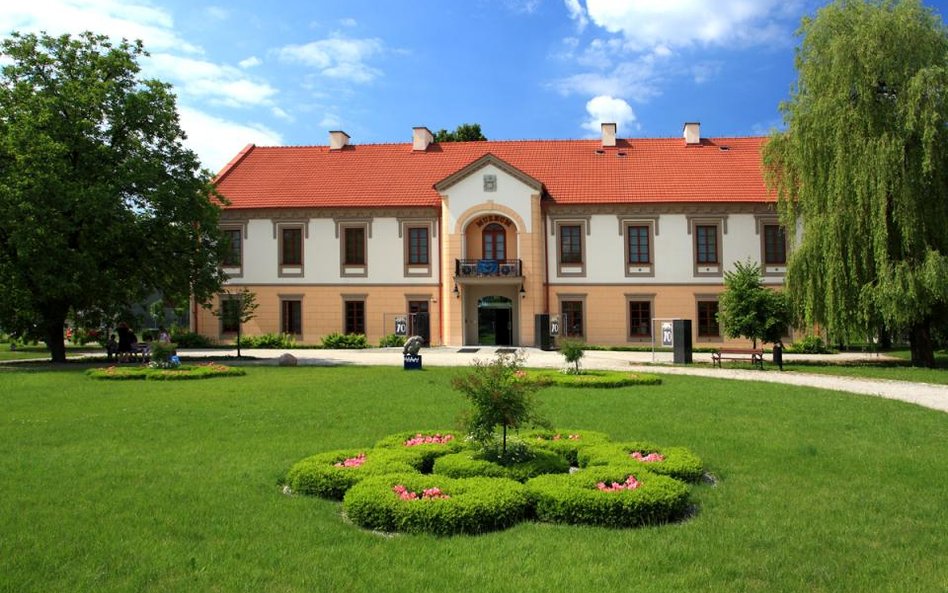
column 753, row 355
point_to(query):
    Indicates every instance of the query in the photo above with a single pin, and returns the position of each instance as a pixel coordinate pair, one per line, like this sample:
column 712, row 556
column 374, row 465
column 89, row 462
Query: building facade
column 468, row 243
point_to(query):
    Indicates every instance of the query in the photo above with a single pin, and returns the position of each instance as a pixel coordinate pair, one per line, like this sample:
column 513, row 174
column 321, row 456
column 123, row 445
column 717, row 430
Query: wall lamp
column 523, row 293
column 457, row 292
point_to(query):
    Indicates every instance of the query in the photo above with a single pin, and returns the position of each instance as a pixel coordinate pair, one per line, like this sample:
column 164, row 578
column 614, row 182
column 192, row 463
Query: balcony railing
column 488, row 268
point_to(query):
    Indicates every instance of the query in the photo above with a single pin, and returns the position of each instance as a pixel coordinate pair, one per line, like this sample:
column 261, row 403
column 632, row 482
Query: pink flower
column 630, row 484
column 427, row 494
column 356, row 461
column 650, row 458
column 435, row 439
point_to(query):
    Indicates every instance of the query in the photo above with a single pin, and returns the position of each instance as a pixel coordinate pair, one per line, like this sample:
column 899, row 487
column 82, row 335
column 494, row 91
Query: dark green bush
column 187, row 339
column 271, row 341
column 679, row 462
column 573, row 351
column 576, row 499
column 320, row 476
column 564, row 442
column 337, row 341
column 406, row 444
column 473, row 505
column 468, row 464
column 808, row 345
column 391, row 340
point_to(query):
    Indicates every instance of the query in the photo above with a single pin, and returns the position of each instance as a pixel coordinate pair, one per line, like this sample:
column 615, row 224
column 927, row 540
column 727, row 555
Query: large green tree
column 463, row 133
column 862, row 168
column 748, row 309
column 100, row 203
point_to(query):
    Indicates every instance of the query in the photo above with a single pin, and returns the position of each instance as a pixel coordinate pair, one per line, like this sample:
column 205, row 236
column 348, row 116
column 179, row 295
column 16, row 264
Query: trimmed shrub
column 181, row 373
column 601, row 379
column 187, row 339
column 337, row 341
column 331, row 474
column 391, row 341
column 467, row 464
column 678, row 462
column 808, row 345
column 564, row 442
column 577, row 498
column 422, row 447
column 470, row 505
column 271, row 341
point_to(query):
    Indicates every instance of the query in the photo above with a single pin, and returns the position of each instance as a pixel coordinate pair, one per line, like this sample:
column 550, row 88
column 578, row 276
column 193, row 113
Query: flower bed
column 601, row 379
column 422, row 447
column 676, row 462
column 470, row 505
column 331, row 474
column 604, row 495
column 180, row 373
column 468, row 464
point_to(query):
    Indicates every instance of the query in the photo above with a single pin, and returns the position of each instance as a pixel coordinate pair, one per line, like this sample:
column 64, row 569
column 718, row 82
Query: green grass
column 42, row 352
column 154, row 486
column 893, row 370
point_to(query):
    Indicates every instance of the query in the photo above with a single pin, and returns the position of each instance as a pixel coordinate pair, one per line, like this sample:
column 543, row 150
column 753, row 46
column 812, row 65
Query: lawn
column 155, row 486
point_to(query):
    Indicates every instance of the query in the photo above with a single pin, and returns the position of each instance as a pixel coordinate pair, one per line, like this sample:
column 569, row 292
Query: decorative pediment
column 485, row 161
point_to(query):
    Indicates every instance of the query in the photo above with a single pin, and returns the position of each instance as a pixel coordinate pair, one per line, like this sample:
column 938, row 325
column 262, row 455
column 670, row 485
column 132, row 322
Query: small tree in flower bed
column 501, row 395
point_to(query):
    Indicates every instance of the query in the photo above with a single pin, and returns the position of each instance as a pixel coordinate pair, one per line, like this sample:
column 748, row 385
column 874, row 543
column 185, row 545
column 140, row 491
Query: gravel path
column 923, row 394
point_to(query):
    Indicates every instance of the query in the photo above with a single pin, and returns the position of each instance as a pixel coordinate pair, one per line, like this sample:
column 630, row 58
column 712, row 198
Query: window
column 355, row 317
column 230, row 315
column 572, row 322
column 708, row 319
column 571, row 244
column 291, row 317
column 706, row 244
column 495, row 242
column 354, row 249
column 638, row 243
column 233, row 240
column 418, row 253
column 291, row 246
column 640, row 319
column 775, row 245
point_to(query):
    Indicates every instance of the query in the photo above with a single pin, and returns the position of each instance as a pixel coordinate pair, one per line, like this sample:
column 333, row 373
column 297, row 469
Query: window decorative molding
column 418, row 249
column 235, row 234
column 640, row 311
column 344, row 222
column 706, row 314
column 353, row 248
column 572, row 316
column 707, row 244
column 353, row 313
column 638, row 243
column 625, row 220
column 291, row 247
column 291, row 314
column 773, row 246
column 570, row 237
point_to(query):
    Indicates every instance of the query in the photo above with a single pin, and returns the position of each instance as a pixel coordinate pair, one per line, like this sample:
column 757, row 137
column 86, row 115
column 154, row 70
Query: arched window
column 495, row 242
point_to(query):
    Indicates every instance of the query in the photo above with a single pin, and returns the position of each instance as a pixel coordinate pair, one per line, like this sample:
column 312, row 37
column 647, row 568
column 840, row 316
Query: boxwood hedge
column 411, row 443
column 575, row 498
column 564, row 442
column 320, row 475
column 470, row 505
column 679, row 462
column 468, row 464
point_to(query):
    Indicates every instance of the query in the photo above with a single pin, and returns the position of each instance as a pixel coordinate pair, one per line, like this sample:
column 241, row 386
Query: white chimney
column 421, row 137
column 608, row 135
column 338, row 139
column 692, row 133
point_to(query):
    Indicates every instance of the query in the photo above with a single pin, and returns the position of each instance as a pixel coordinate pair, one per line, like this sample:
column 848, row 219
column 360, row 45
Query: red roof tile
column 571, row 171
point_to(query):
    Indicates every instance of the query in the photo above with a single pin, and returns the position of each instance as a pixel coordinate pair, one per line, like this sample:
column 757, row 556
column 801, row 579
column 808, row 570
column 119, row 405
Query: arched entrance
column 495, row 321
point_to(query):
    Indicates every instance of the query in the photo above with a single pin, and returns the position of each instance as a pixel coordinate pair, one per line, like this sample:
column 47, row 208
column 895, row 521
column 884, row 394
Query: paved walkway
column 923, row 394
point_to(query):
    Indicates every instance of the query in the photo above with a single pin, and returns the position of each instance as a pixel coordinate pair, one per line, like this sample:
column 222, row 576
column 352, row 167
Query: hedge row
column 678, row 462
column 181, row 373
column 600, row 379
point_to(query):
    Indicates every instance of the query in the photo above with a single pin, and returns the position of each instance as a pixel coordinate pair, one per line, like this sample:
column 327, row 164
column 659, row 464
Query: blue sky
column 287, row 72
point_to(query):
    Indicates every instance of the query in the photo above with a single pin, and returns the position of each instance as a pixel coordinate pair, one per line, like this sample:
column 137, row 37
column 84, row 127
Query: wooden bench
column 754, row 355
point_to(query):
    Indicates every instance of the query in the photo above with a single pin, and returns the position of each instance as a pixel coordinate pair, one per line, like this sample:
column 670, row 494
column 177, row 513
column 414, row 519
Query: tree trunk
column 923, row 350
column 238, row 338
column 55, row 340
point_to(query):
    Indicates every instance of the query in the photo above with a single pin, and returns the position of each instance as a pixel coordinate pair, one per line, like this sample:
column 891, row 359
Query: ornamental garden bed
column 179, row 373
column 437, row 482
column 591, row 378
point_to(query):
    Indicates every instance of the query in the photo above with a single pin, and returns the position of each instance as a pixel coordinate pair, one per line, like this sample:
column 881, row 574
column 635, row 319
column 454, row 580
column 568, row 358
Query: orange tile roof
column 571, row 171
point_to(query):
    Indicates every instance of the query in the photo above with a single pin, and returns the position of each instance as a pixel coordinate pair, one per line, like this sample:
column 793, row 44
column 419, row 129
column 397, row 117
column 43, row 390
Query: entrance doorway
column 495, row 321
column 418, row 320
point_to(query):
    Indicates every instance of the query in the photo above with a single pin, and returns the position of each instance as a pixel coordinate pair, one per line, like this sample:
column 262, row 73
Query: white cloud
column 220, row 84
column 523, row 6
column 216, row 141
column 577, row 13
column 676, row 23
column 606, row 109
column 637, row 79
column 130, row 19
column 282, row 114
column 337, row 57
column 250, row 62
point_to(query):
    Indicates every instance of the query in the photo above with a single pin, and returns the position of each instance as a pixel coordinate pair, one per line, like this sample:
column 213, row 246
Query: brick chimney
column 692, row 133
column 338, row 139
column 608, row 135
column 421, row 137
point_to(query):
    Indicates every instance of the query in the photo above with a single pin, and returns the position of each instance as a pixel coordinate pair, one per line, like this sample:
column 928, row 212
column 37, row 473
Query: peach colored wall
column 323, row 310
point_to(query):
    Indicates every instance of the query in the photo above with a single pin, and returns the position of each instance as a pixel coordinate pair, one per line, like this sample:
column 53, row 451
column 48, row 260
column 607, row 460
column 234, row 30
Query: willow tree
column 862, row 170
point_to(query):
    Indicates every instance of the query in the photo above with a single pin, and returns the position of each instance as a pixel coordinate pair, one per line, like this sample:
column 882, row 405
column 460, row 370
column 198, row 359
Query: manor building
column 470, row 243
